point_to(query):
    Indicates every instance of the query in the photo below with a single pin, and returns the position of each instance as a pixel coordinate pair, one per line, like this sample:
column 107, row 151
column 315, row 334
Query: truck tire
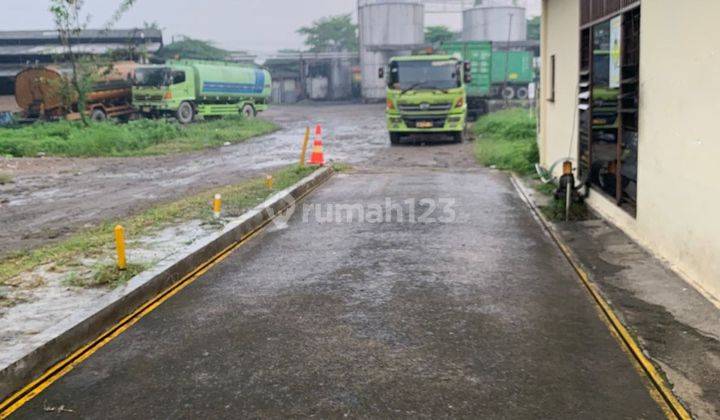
column 508, row 93
column 248, row 111
column 521, row 92
column 457, row 137
column 98, row 115
column 394, row 139
column 185, row 113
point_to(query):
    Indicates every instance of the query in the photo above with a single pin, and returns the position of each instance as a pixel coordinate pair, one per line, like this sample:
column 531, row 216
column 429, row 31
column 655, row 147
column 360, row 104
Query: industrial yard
column 375, row 209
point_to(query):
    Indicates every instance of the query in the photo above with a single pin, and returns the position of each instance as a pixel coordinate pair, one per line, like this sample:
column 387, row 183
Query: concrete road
column 470, row 312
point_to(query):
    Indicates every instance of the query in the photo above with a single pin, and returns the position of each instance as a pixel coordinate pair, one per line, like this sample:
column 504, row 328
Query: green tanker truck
column 188, row 88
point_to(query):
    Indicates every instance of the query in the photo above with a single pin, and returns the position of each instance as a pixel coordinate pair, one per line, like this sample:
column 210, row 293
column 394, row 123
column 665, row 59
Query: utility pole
column 507, row 59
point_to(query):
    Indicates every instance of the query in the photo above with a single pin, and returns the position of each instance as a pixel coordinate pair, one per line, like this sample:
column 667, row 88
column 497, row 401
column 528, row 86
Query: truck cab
column 426, row 95
column 161, row 90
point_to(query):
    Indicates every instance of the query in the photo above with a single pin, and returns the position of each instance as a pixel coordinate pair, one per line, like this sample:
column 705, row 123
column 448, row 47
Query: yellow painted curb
column 667, row 400
column 60, row 369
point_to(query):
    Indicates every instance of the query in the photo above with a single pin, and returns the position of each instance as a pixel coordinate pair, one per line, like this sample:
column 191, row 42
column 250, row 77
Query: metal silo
column 387, row 28
column 496, row 21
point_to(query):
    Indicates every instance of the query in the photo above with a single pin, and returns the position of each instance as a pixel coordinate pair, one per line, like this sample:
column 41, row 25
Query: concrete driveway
column 360, row 307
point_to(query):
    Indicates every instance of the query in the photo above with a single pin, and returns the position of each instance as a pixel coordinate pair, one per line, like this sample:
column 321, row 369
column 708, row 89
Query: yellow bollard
column 269, row 182
column 217, row 206
column 304, row 147
column 120, row 245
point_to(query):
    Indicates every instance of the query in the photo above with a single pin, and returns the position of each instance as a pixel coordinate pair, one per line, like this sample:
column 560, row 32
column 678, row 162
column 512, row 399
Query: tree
column 438, row 34
column 70, row 22
column 533, row 28
column 330, row 34
column 194, row 49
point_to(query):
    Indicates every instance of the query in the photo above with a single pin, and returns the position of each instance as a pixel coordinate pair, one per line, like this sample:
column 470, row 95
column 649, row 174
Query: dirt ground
column 50, row 198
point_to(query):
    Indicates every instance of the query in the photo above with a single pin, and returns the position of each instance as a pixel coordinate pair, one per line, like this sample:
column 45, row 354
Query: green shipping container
column 479, row 54
column 519, row 67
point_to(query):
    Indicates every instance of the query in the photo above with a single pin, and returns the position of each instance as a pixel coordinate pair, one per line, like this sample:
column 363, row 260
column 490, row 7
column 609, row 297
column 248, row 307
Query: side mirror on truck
column 467, row 67
column 381, row 73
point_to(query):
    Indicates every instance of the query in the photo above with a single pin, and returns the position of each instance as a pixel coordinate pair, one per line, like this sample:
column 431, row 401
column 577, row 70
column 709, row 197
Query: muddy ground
column 50, row 198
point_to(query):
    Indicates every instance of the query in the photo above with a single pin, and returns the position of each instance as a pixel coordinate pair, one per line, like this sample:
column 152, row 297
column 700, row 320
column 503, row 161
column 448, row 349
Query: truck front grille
column 152, row 98
column 425, row 107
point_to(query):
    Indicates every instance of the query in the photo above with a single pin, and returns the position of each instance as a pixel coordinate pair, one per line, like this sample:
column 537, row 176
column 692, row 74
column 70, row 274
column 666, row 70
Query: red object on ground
column 318, row 156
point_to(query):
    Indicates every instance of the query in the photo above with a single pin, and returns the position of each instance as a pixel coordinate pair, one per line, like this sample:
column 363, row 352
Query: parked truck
column 45, row 92
column 188, row 88
column 426, row 94
column 497, row 73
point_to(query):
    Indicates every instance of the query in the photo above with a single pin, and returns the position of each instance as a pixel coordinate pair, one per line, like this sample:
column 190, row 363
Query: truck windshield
column 152, row 76
column 424, row 74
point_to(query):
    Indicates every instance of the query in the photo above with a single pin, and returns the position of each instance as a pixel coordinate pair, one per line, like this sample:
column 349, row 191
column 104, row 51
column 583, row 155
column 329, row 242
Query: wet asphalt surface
column 470, row 312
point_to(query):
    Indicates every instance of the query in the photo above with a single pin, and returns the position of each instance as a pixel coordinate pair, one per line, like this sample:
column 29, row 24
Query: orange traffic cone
column 318, row 156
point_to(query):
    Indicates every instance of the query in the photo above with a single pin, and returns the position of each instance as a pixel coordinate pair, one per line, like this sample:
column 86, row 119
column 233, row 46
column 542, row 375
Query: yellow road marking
column 60, row 369
column 659, row 391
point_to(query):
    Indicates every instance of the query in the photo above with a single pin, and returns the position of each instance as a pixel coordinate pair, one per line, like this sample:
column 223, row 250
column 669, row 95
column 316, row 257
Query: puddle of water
column 44, row 297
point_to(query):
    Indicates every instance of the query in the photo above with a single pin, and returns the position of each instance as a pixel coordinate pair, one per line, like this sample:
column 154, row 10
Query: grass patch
column 507, row 141
column 107, row 275
column 136, row 138
column 545, row 189
column 341, row 167
column 555, row 211
column 98, row 242
column 5, row 179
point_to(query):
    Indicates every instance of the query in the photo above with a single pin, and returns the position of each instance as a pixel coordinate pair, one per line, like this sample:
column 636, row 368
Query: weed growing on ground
column 506, row 140
column 6, row 179
column 555, row 211
column 545, row 189
column 341, row 167
column 136, row 138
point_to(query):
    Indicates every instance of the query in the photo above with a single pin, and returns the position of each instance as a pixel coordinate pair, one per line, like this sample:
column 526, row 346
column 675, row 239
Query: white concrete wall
column 560, row 30
column 678, row 215
column 679, row 157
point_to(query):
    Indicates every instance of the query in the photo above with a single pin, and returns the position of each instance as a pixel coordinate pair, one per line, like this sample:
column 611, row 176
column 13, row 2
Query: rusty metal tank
column 39, row 90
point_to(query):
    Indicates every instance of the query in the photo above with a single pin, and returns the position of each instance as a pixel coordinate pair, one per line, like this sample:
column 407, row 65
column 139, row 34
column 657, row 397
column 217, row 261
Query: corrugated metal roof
column 21, row 50
column 86, row 35
column 10, row 70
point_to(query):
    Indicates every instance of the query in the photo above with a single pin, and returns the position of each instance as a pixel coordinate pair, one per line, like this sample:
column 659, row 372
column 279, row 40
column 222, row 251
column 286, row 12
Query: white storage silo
column 387, row 28
column 496, row 21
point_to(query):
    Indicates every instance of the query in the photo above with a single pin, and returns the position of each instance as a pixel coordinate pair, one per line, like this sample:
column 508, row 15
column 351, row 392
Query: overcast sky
column 254, row 25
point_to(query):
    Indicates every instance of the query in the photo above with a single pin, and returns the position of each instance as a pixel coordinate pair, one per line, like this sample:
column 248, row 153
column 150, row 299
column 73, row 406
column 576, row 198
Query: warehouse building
column 19, row 49
column 630, row 91
column 313, row 75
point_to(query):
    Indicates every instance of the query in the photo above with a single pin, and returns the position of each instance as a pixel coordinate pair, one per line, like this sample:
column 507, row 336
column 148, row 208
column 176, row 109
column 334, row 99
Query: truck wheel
column 248, row 111
column 185, row 113
column 508, row 93
column 98, row 115
column 394, row 139
column 521, row 92
column 457, row 137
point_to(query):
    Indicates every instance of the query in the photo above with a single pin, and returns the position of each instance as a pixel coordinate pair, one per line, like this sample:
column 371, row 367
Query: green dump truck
column 188, row 88
column 426, row 95
column 496, row 73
